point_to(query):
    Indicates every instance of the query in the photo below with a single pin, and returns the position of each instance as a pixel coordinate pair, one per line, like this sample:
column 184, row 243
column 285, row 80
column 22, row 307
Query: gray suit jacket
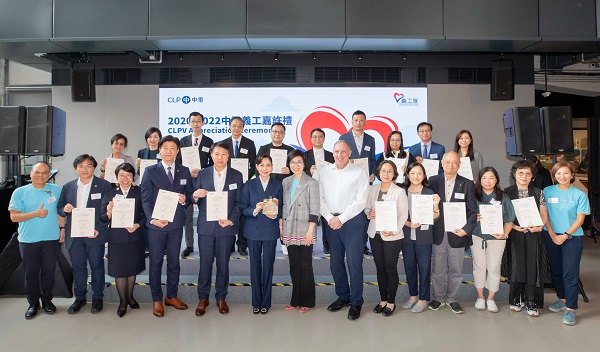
column 397, row 195
column 302, row 208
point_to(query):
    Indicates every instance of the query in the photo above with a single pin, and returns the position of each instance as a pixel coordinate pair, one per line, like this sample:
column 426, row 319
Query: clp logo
column 185, row 100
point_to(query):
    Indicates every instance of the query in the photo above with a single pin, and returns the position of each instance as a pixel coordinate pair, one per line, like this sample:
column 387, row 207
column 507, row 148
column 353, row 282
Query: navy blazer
column 155, row 178
column 436, row 148
column 260, row 227
column 250, row 153
column 462, row 186
column 145, row 154
column 368, row 149
column 422, row 236
column 233, row 186
column 203, row 149
column 309, row 157
column 68, row 195
column 122, row 235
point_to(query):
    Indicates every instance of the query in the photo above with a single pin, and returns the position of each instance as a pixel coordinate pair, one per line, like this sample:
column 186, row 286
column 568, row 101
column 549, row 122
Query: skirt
column 126, row 259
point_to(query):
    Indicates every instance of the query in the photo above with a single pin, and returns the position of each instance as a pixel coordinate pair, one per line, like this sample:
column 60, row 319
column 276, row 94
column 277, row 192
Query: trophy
column 271, row 206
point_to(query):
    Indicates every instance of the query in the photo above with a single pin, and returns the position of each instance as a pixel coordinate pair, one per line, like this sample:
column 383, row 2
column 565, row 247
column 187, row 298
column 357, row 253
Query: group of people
column 287, row 204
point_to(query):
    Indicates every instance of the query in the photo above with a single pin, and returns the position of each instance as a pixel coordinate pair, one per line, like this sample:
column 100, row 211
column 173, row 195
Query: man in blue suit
column 215, row 238
column 427, row 149
column 162, row 233
column 362, row 146
column 86, row 191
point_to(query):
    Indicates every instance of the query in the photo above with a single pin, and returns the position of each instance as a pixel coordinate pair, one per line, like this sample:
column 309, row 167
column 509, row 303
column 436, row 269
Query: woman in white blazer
column 386, row 245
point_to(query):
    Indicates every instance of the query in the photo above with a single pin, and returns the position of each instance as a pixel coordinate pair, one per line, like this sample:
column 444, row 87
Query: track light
column 403, row 56
column 276, row 57
column 314, row 56
column 222, row 56
column 180, row 57
column 360, row 56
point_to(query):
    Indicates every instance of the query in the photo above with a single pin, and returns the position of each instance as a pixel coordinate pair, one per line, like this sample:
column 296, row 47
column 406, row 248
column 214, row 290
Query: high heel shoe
column 133, row 303
column 121, row 311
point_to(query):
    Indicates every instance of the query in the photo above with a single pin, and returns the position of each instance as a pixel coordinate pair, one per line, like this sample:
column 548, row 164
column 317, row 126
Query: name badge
column 183, row 182
column 553, row 200
column 367, row 148
column 432, row 156
column 243, row 151
column 206, row 149
column 386, row 197
column 95, row 196
column 119, row 197
column 53, row 199
column 233, row 186
column 459, row 195
column 424, row 227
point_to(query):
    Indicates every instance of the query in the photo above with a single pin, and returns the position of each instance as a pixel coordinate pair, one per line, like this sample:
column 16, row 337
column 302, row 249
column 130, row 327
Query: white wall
column 131, row 110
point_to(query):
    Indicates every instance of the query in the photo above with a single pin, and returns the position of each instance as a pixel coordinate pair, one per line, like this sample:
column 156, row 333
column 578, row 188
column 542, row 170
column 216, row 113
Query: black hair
column 277, row 124
column 152, row 130
column 393, row 167
column 260, row 158
column 317, row 130
column 425, row 182
column 479, row 188
column 118, row 136
column 523, row 164
column 423, row 124
column 388, row 148
column 294, row 153
column 237, row 118
column 83, row 157
column 168, row 138
column 127, row 167
column 220, row 144
column 457, row 146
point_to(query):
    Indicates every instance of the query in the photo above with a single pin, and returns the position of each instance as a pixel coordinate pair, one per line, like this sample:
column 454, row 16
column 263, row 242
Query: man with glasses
column 86, row 191
column 427, row 149
column 277, row 136
column 34, row 207
column 203, row 143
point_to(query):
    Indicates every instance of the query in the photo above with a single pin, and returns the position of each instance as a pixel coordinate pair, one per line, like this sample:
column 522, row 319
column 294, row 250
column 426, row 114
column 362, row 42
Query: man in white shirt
column 344, row 190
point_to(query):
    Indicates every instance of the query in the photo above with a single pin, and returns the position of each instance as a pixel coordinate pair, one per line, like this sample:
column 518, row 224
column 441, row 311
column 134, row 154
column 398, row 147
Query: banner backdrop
column 299, row 109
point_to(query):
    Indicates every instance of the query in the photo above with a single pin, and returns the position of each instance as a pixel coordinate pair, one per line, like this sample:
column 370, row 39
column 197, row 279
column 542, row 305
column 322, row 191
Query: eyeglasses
column 386, row 171
column 196, row 122
column 297, row 163
column 128, row 175
column 317, row 137
column 119, row 144
column 277, row 132
column 424, row 131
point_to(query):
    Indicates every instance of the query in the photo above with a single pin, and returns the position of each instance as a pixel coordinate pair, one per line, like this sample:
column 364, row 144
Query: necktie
column 169, row 174
column 425, row 153
column 196, row 142
column 236, row 150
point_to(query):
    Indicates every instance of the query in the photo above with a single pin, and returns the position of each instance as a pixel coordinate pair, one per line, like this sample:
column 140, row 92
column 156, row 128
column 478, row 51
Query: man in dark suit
column 317, row 138
column 363, row 146
column 215, row 237
column 277, row 136
column 86, row 191
column 162, row 233
column 203, row 142
column 449, row 247
column 241, row 147
column 426, row 149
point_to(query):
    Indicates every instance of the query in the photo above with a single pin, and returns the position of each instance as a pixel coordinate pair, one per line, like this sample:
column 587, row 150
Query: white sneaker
column 480, row 304
column 492, row 307
column 284, row 249
column 518, row 307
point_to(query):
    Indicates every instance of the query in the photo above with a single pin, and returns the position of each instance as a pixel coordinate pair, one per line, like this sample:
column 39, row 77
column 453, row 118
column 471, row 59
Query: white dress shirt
column 343, row 191
column 319, row 154
column 359, row 141
column 219, row 181
column 83, row 193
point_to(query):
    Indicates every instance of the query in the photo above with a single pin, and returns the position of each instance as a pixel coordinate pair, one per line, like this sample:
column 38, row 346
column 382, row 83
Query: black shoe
column 354, row 312
column 243, row 251
column 76, row 306
column 378, row 308
column 367, row 251
column 326, row 250
column 435, row 305
column 121, row 312
column 133, row 303
column 456, row 308
column 147, row 255
column 338, row 305
column 264, row 311
column 387, row 311
column 97, row 306
column 48, row 307
column 187, row 251
column 31, row 312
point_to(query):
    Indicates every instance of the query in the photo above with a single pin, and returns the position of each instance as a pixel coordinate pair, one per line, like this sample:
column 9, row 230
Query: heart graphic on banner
column 398, row 96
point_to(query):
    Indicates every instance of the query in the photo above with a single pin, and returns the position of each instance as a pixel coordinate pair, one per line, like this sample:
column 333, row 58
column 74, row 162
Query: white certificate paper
column 399, row 164
column 123, row 213
column 109, row 171
column 421, row 209
column 279, row 157
column 190, row 157
column 216, row 206
column 465, row 168
column 386, row 218
column 144, row 163
column 362, row 162
column 491, row 219
column 527, row 212
column 455, row 216
column 165, row 206
column 82, row 222
column 432, row 167
column 241, row 165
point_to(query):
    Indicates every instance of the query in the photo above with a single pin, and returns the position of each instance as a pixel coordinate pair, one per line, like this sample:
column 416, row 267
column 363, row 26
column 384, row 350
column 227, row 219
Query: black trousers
column 39, row 258
column 385, row 256
column 324, row 227
column 303, row 277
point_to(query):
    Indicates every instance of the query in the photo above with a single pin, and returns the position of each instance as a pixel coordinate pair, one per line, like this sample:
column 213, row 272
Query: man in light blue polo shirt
column 40, row 231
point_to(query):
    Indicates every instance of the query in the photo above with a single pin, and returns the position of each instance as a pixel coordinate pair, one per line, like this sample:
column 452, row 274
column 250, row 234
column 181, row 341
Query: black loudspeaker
column 523, row 129
column 45, row 132
column 503, row 83
column 558, row 129
column 12, row 130
column 83, row 82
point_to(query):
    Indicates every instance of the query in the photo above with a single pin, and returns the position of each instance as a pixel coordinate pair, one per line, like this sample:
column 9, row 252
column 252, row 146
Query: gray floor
column 317, row 330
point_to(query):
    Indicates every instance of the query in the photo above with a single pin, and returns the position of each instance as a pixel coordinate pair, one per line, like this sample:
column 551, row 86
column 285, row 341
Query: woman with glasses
column 118, row 142
column 394, row 150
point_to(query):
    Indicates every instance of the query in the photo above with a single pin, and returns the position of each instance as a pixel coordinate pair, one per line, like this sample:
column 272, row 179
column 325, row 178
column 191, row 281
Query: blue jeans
column 564, row 263
column 417, row 265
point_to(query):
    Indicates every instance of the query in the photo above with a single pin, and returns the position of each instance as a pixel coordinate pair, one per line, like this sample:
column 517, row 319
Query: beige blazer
column 396, row 194
column 301, row 209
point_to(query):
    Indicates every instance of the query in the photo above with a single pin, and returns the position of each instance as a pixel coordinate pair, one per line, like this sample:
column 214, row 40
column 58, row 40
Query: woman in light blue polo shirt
column 567, row 208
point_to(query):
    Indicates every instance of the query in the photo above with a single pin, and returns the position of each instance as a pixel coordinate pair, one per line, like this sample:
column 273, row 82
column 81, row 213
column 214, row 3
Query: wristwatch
column 569, row 236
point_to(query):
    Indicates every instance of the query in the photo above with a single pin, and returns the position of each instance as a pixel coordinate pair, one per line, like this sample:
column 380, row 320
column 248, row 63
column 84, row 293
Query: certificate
column 190, row 157
column 421, row 209
column 491, row 219
column 465, row 168
column 319, row 163
column 109, row 170
column 241, row 165
column 432, row 167
column 400, row 163
column 386, row 218
column 216, row 206
column 455, row 216
column 362, row 162
column 123, row 213
column 144, row 163
column 82, row 222
column 527, row 212
column 165, row 206
column 279, row 157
